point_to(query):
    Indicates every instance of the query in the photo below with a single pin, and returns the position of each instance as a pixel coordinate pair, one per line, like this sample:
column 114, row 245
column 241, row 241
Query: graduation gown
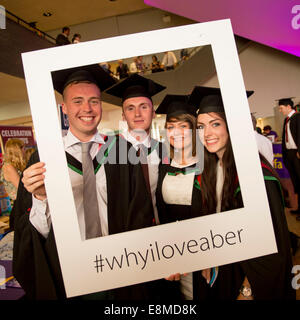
column 289, row 156
column 172, row 212
column 295, row 131
column 35, row 260
column 269, row 276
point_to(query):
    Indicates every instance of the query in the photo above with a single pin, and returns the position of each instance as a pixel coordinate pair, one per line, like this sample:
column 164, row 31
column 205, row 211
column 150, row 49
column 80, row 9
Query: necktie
column 90, row 202
column 142, row 153
column 286, row 131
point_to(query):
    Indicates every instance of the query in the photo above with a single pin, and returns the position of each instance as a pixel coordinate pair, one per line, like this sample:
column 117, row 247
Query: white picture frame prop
column 162, row 250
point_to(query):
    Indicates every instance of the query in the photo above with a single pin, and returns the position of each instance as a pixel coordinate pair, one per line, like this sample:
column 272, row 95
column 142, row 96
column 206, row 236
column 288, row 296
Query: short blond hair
column 76, row 82
column 13, row 153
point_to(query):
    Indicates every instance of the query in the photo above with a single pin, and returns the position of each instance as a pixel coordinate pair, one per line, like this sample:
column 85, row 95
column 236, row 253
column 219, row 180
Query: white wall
column 15, row 110
column 144, row 20
column 272, row 74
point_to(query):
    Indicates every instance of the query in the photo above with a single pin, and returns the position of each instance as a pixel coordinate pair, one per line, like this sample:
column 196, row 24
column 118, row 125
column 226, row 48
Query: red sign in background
column 23, row 133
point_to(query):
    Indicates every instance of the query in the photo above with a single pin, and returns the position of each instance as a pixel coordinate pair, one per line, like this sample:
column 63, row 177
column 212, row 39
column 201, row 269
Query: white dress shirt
column 153, row 161
column 265, row 147
column 219, row 185
column 40, row 216
column 169, row 59
column 133, row 68
column 178, row 190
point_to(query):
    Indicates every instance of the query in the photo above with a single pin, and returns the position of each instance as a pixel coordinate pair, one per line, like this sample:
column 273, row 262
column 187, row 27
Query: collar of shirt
column 146, row 142
column 291, row 113
column 72, row 144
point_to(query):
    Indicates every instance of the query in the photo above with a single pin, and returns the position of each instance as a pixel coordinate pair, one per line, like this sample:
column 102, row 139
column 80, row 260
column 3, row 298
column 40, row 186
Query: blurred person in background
column 63, row 38
column 169, row 61
column 271, row 134
column 122, row 70
column 28, row 153
column 155, row 65
column 14, row 163
column 76, row 38
column 133, row 66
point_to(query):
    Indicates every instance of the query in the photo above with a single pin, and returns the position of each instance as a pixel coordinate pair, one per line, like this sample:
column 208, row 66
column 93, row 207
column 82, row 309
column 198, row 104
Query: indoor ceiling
column 69, row 12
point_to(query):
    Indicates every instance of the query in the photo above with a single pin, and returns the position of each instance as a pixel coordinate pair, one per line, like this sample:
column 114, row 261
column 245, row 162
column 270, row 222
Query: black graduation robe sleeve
column 35, row 261
column 296, row 131
column 270, row 276
column 160, row 204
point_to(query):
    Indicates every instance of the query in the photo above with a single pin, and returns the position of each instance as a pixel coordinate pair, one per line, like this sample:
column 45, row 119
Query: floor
column 293, row 224
column 294, row 227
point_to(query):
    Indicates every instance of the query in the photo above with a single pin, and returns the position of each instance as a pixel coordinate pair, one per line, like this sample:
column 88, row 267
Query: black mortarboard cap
column 92, row 73
column 207, row 99
column 135, row 86
column 286, row 101
column 174, row 105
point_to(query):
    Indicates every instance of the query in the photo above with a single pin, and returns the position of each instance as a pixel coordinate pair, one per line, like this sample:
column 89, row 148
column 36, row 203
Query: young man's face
column 285, row 110
column 138, row 112
column 82, row 105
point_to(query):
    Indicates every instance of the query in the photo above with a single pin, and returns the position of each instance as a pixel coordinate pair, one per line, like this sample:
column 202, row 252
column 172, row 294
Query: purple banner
column 10, row 290
column 278, row 162
column 273, row 23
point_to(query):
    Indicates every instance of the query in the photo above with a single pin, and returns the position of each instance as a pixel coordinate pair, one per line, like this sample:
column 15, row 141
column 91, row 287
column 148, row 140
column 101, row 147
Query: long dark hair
column 229, row 200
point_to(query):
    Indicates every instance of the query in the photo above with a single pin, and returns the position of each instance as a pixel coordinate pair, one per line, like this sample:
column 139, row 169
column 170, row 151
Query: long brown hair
column 209, row 177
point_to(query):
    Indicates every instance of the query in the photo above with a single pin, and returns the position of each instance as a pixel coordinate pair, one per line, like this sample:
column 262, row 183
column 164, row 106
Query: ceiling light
column 47, row 14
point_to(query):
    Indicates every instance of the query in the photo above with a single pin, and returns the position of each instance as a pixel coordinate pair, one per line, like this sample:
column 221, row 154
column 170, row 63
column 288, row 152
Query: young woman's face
column 179, row 134
column 212, row 132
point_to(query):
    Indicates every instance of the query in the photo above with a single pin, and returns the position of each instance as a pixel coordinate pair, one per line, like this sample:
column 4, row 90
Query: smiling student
column 102, row 209
column 263, row 278
column 136, row 93
column 178, row 192
column 138, row 111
